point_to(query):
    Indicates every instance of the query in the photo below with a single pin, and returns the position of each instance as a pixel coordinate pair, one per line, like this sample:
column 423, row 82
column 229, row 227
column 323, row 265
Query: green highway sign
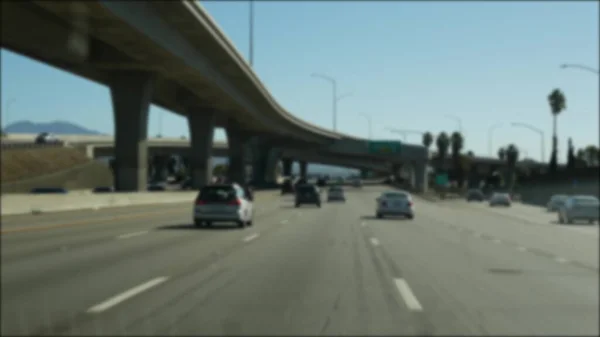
column 384, row 147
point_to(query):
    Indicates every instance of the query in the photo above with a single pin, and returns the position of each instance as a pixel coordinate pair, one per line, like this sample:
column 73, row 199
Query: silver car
column 556, row 201
column 224, row 203
column 502, row 199
column 579, row 207
column 395, row 203
column 336, row 193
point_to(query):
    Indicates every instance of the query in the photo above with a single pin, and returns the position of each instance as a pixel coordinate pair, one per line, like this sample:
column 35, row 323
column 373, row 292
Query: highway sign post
column 384, row 147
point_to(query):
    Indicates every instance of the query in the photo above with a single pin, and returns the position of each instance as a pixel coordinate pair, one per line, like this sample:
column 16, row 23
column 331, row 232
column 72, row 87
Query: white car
column 336, row 193
column 395, row 203
column 579, row 207
column 224, row 203
column 500, row 199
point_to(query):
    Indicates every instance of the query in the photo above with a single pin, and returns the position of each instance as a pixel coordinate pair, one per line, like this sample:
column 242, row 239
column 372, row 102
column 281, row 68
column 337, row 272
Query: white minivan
column 224, row 203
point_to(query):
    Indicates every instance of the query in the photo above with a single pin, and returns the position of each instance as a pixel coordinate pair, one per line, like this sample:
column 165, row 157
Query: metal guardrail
column 21, row 146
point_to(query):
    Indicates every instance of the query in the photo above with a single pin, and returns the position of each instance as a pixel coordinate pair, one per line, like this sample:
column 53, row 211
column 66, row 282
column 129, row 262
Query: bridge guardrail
column 20, row 146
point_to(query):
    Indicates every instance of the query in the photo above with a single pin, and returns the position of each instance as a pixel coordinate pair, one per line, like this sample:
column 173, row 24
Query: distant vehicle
column 579, row 207
column 357, row 183
column 287, row 187
column 502, row 199
column 224, row 203
column 556, row 201
column 307, row 194
column 321, row 182
column 395, row 203
column 475, row 195
column 46, row 138
column 336, row 193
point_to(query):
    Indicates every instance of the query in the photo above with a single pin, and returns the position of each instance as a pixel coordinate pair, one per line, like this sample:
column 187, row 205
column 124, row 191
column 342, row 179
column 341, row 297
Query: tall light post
column 580, row 66
column 539, row 132
column 491, row 138
column 369, row 123
column 10, row 102
column 251, row 32
column 336, row 98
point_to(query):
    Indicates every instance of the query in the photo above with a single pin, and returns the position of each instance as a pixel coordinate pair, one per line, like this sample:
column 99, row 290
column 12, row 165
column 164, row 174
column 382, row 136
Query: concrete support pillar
column 287, row 166
column 421, row 178
column 131, row 94
column 303, row 168
column 237, row 140
column 158, row 167
column 396, row 172
column 271, row 168
column 201, row 123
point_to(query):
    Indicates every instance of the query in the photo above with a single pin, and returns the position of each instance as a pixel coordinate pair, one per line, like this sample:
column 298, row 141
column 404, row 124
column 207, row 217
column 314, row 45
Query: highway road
column 457, row 268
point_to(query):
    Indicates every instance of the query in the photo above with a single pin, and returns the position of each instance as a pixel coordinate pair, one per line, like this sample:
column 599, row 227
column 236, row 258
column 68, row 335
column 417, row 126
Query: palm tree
column 581, row 157
column 512, row 155
column 442, row 142
column 570, row 155
column 427, row 139
column 558, row 103
column 457, row 143
column 501, row 153
column 591, row 154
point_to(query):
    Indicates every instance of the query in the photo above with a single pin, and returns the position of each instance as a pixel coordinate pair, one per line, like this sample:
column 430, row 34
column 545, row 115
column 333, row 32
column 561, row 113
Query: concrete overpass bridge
column 172, row 54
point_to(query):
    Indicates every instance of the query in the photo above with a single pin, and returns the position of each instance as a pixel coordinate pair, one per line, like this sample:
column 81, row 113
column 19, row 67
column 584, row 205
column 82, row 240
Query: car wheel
column 208, row 223
column 297, row 205
column 379, row 215
column 241, row 224
column 590, row 221
column 410, row 217
column 198, row 223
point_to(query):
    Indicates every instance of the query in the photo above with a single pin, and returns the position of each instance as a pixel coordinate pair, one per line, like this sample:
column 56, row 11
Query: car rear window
column 217, row 194
column 586, row 201
column 306, row 189
column 335, row 189
column 396, row 195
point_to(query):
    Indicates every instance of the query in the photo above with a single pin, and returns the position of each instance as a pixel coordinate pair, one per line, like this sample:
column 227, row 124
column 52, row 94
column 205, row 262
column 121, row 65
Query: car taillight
column 410, row 203
column 235, row 202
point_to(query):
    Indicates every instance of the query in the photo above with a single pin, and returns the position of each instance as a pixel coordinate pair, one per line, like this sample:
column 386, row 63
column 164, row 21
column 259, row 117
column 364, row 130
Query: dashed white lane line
column 131, row 235
column 363, row 224
column 522, row 249
column 374, row 242
column 561, row 260
column 407, row 295
column 111, row 302
column 284, row 222
column 497, row 241
column 250, row 237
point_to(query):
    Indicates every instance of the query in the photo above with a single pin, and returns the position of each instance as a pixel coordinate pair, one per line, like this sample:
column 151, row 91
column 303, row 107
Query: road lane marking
column 363, row 224
column 374, row 242
column 407, row 295
column 250, row 237
column 284, row 222
column 522, row 249
column 561, row 259
column 498, row 241
column 113, row 301
column 131, row 235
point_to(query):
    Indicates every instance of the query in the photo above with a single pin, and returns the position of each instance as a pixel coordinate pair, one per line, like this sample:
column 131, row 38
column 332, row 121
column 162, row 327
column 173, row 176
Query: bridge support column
column 158, row 167
column 265, row 159
column 131, row 94
column 201, row 123
column 303, row 168
column 237, row 140
column 271, row 168
column 287, row 166
column 421, row 178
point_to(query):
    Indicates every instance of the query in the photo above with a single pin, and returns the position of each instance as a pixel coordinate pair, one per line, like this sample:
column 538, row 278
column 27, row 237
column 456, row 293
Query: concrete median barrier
column 13, row 204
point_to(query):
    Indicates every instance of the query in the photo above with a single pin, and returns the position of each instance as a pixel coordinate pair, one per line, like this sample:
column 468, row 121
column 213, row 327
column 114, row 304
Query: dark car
column 321, row 182
column 307, row 194
column 475, row 195
column 287, row 187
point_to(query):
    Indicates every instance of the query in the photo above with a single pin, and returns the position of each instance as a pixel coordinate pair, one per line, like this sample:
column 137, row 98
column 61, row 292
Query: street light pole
column 336, row 98
column 458, row 120
column 370, row 125
column 538, row 131
column 580, row 66
column 251, row 32
column 491, row 138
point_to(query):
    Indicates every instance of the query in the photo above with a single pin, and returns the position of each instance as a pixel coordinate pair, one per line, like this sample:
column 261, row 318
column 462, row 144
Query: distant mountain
column 56, row 127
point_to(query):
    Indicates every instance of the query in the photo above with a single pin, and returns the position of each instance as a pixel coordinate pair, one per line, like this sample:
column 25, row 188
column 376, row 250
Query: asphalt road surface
column 456, row 269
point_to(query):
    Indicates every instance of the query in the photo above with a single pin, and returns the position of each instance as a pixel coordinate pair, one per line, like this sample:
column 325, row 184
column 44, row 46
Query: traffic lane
column 545, row 239
column 10, row 222
column 44, row 291
column 62, row 238
column 468, row 284
column 316, row 275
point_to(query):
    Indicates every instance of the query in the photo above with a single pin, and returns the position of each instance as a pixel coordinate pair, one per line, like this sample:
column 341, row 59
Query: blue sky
column 408, row 65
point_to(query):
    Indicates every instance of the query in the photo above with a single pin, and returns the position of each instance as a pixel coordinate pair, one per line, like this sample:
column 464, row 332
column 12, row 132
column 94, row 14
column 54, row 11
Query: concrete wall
column 539, row 194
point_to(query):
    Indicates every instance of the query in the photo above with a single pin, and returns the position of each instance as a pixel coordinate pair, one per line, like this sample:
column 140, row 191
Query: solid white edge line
column 113, row 301
column 374, row 242
column 130, row 235
column 407, row 295
column 250, row 237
